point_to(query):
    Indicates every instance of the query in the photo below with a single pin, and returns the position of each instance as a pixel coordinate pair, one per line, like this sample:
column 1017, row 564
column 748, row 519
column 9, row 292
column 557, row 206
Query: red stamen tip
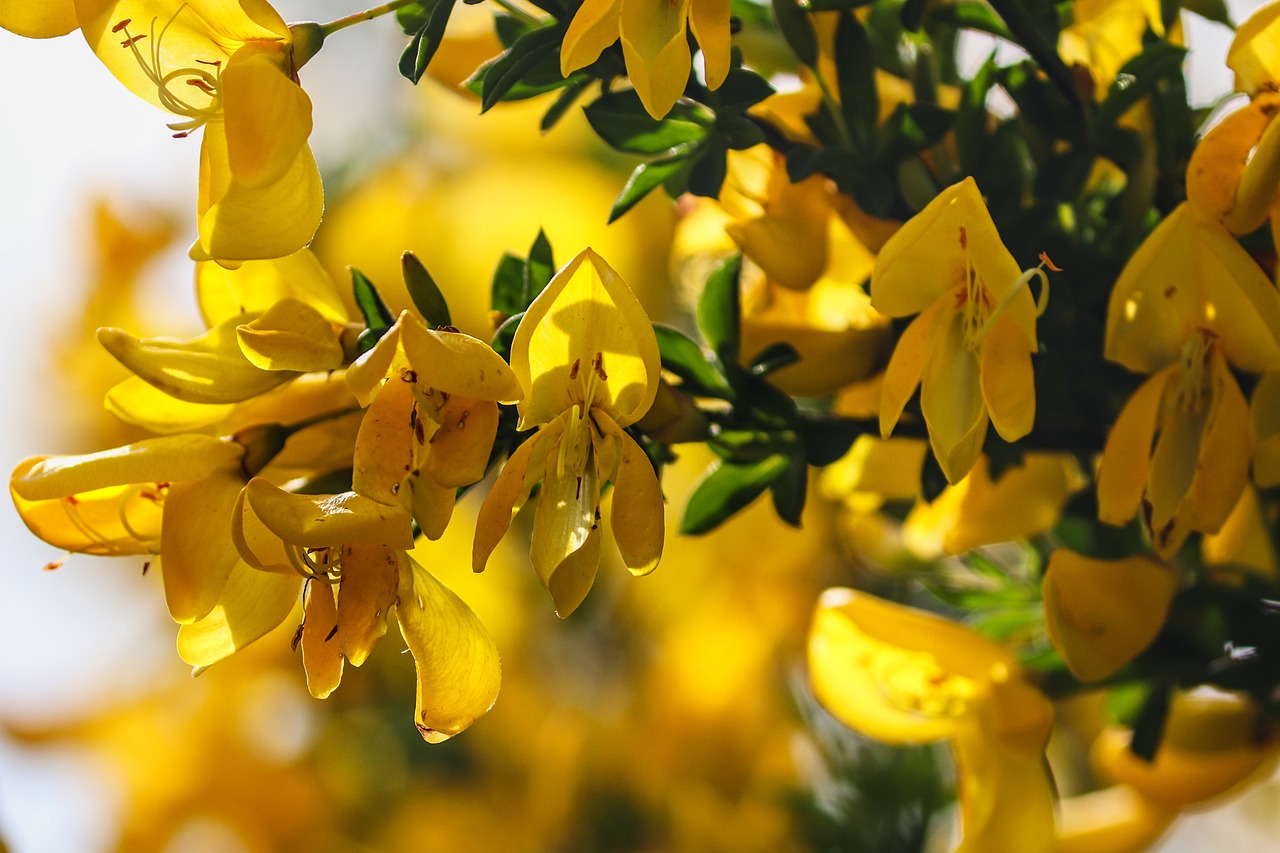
column 130, row 42
column 120, row 26
column 1044, row 259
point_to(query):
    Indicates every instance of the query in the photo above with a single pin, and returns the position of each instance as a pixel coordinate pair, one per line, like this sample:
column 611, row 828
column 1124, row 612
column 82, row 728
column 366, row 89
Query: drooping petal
column 1126, row 457
column 432, row 504
column 290, row 335
column 370, row 576
column 593, row 28
column 656, row 50
column 209, row 369
column 789, row 242
column 38, row 19
column 1008, row 382
column 137, row 402
column 586, row 330
column 636, row 515
column 455, row 657
column 510, row 491
column 565, row 545
column 951, row 397
column 317, row 521
column 1222, row 469
column 239, row 222
column 152, row 460
column 458, row 452
column 383, row 454
column 906, row 365
column 321, row 653
column 267, row 114
column 251, row 604
column 255, row 286
column 709, row 20
column 1101, row 614
column 195, row 551
column 1264, row 414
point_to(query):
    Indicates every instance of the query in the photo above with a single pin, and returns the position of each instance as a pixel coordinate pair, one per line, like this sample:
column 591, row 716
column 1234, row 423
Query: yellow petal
column 1254, row 54
column 1006, row 796
column 290, row 335
column 656, row 51
column 1190, row 273
column 383, row 455
column 321, row 653
column 239, row 222
column 1112, row 820
column 458, row 364
column 267, row 115
column 1008, row 383
column 585, row 330
column 789, row 242
column 593, row 28
column 906, row 366
column 1126, row 457
column 636, row 515
column 112, row 521
column 894, row 673
column 256, row 544
column 370, row 575
column 432, row 504
column 385, row 359
column 209, row 369
column 709, row 20
column 1101, row 614
column 458, row 452
column 1264, row 414
column 38, row 19
column 456, row 659
column 1219, row 158
column 137, row 402
column 196, row 551
column 317, row 521
column 251, row 604
column 951, row 398
column 565, row 545
column 510, row 491
column 255, row 286
column 927, row 256
column 152, row 460
column 1222, row 469
column 1244, row 539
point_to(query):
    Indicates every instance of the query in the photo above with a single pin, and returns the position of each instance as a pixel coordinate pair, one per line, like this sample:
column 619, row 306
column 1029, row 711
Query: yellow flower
column 1254, row 54
column 232, row 69
column 1234, row 169
column 587, row 359
column 904, row 676
column 654, row 44
column 1189, row 302
column 970, row 348
column 430, row 426
column 38, row 18
column 1106, row 34
column 352, row 549
column 1101, row 614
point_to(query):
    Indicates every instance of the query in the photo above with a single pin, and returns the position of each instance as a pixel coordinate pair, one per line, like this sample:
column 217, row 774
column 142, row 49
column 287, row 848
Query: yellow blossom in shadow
column 587, row 360
column 1105, row 34
column 1234, row 170
column 970, row 348
column 1244, row 540
column 904, row 676
column 231, row 69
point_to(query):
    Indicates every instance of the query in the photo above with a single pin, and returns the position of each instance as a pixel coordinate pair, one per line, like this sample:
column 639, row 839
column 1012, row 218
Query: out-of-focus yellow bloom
column 1105, row 34
column 654, row 44
column 1211, row 744
column 1189, row 301
column 1254, row 54
column 1101, row 614
column 1244, row 540
column 1025, row 501
column 970, row 348
column 38, row 19
column 430, row 426
column 905, row 676
column 588, row 363
column 232, row 69
column 1112, row 820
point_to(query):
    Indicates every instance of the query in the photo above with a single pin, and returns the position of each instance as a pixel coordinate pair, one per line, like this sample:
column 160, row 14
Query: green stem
column 360, row 17
column 516, row 12
column 1015, row 17
column 833, row 107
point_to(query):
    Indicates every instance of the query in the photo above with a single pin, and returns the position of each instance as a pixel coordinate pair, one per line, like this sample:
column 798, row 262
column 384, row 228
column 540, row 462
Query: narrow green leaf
column 413, row 16
column 972, row 15
column 719, row 311
column 741, row 89
column 775, row 356
column 726, row 489
column 507, row 70
column 622, row 121
column 424, row 291
column 564, row 101
column 1148, row 729
column 683, row 356
column 1210, row 10
column 796, row 28
column 1138, row 78
column 739, row 132
column 710, row 168
column 377, row 317
column 417, row 55
column 507, row 292
column 648, row 176
column 789, row 491
column 971, row 118
column 539, row 268
column 827, row 439
column 855, row 72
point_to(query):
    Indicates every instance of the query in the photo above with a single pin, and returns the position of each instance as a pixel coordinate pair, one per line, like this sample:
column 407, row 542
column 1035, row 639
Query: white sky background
column 68, row 129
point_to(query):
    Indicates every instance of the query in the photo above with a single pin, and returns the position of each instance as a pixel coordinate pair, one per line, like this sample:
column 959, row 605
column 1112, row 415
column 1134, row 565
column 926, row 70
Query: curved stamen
column 197, row 78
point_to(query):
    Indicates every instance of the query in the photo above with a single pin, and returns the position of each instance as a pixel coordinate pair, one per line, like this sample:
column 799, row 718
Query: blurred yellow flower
column 654, row 44
column 1105, row 34
column 232, row 69
column 587, row 360
column 970, row 348
column 1254, row 54
column 904, row 676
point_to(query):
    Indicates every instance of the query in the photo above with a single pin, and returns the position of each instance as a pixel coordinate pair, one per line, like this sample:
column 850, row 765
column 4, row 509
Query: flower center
column 1193, row 384
column 191, row 92
column 913, row 682
column 974, row 300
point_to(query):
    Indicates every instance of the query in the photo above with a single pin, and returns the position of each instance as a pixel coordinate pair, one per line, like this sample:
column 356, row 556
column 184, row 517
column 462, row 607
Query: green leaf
column 417, row 54
column 377, row 318
column 1063, row 176
column 622, row 121
column 789, row 491
column 710, row 168
column 413, row 16
column 566, row 99
column 683, row 356
column 1148, row 730
column 827, row 439
column 1138, row 78
column 856, row 74
column 971, row 118
column 773, row 357
column 424, row 291
column 649, row 176
column 911, row 129
column 539, row 269
column 719, row 311
column 971, row 15
column 507, row 294
column 796, row 28
column 505, row 335
column 510, row 68
column 913, row 15
column 1210, row 10
column 726, row 489
column 741, row 89
column 739, row 132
